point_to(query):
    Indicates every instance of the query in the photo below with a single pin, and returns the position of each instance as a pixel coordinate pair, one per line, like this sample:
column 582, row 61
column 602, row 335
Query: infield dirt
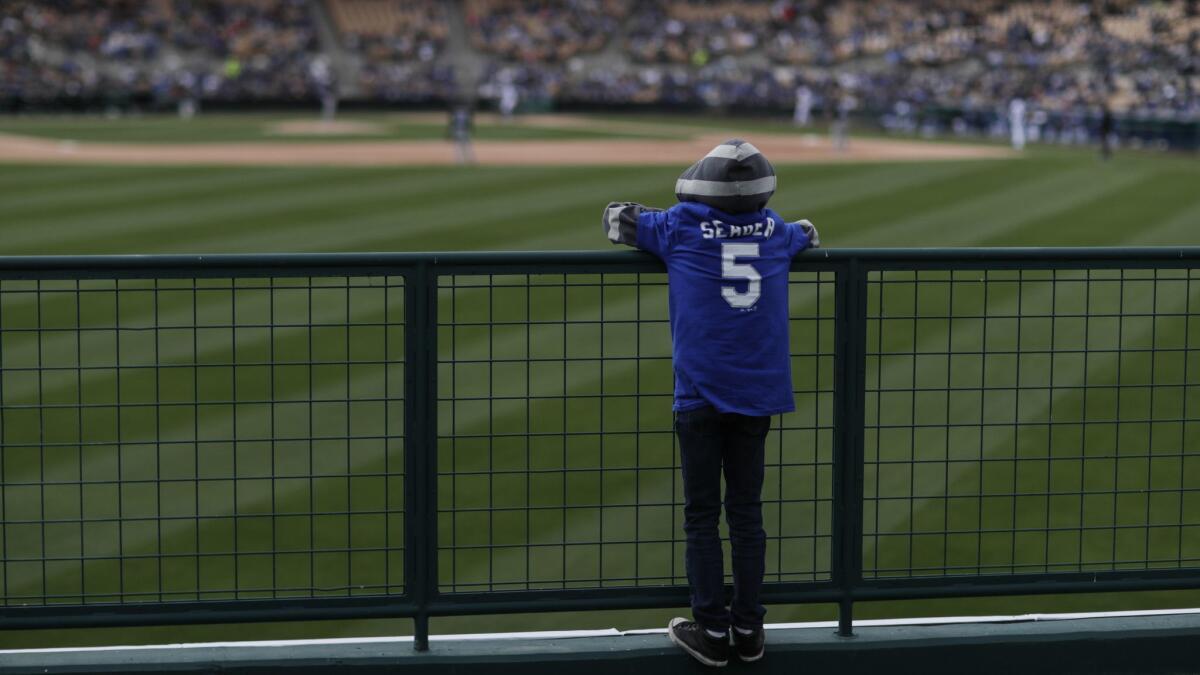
column 693, row 143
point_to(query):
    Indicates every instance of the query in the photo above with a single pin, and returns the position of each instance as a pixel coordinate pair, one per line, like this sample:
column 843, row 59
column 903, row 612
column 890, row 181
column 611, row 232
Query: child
column 727, row 259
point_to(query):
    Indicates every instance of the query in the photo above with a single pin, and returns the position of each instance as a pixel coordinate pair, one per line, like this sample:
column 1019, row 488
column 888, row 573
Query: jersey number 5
column 731, row 269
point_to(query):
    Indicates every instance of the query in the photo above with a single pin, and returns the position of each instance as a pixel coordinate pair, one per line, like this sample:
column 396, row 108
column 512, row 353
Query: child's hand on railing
column 810, row 230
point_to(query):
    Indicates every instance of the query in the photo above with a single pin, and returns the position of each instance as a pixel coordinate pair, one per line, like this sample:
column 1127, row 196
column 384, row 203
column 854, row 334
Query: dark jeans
column 708, row 442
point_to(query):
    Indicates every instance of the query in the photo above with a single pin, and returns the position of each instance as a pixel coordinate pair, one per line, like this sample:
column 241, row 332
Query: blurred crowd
column 414, row 30
column 408, row 82
column 543, row 31
column 264, row 47
column 1137, row 57
column 62, row 50
column 48, row 49
column 399, row 45
column 695, row 33
column 1054, row 33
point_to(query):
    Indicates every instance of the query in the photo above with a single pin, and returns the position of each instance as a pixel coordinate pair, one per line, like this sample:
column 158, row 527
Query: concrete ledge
column 1105, row 644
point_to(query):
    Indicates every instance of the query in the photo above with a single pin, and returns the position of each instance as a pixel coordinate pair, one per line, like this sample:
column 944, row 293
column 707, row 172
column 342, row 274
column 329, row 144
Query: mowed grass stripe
column 515, row 216
column 880, row 215
column 334, row 209
column 1122, row 200
column 134, row 221
column 118, row 229
column 497, row 216
column 1177, row 229
column 814, row 189
column 58, row 176
column 804, row 192
column 519, row 221
column 993, row 217
column 275, row 198
column 116, row 190
column 17, row 179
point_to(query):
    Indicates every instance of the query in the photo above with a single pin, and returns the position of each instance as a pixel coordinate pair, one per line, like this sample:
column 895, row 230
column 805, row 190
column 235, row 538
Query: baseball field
column 261, row 183
column 1050, row 196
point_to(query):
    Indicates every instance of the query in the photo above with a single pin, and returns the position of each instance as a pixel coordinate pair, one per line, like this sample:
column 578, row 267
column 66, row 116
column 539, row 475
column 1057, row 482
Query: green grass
column 255, row 127
column 1050, row 197
column 1047, row 200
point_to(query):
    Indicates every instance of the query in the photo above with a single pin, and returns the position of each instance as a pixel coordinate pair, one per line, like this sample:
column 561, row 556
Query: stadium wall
column 1145, row 645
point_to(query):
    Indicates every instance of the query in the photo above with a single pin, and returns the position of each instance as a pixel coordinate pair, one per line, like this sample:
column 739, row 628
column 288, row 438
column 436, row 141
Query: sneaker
column 749, row 647
column 693, row 639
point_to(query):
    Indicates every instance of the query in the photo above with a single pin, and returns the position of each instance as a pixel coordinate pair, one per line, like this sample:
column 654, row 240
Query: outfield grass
column 1051, row 197
column 253, row 127
column 1039, row 201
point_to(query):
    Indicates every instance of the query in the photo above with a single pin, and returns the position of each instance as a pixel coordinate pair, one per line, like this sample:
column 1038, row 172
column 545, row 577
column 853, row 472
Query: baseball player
column 1107, row 131
column 1016, row 123
column 802, row 112
column 840, row 127
column 459, row 131
column 727, row 258
column 509, row 98
column 324, row 80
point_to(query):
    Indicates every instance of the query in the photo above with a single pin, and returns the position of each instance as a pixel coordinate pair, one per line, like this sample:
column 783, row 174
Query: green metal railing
column 190, row 439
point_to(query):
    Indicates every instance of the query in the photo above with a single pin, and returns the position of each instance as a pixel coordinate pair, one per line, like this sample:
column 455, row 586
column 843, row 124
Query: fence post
column 849, row 369
column 420, row 449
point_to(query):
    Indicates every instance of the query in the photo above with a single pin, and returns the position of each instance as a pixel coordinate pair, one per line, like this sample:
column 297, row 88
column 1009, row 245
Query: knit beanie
column 734, row 177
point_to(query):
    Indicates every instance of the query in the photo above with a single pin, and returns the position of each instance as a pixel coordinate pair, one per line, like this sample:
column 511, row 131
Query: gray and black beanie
column 734, row 177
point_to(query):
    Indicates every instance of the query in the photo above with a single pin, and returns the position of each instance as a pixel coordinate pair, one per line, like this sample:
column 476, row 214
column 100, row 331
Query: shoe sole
column 693, row 653
column 752, row 659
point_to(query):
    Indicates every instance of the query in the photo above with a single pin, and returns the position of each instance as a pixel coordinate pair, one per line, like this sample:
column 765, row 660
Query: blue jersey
column 728, row 276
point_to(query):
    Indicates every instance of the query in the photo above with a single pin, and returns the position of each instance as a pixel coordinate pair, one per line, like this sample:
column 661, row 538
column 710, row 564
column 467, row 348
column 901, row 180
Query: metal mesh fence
column 558, row 466
column 200, row 439
column 429, row 434
column 1031, row 421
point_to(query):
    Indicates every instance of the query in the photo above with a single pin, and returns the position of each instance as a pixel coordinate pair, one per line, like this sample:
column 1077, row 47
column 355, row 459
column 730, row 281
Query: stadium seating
column 397, row 43
column 542, row 30
column 1140, row 57
column 392, row 29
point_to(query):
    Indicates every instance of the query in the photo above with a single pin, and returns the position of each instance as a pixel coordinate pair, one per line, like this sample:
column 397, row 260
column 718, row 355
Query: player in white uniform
column 1016, row 123
column 509, row 98
column 803, row 111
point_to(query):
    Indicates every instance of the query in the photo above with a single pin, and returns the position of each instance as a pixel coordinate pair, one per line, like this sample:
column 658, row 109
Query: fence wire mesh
column 421, row 435
column 1025, row 421
column 558, row 466
column 200, row 439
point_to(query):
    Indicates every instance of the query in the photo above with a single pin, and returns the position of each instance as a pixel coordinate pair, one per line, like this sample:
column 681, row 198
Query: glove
column 814, row 237
column 620, row 221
